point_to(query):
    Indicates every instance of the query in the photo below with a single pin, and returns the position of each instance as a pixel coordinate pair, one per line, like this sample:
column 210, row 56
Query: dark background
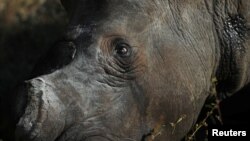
column 28, row 28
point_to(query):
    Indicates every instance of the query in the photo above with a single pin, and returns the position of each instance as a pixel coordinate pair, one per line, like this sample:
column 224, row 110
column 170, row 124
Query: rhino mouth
column 83, row 132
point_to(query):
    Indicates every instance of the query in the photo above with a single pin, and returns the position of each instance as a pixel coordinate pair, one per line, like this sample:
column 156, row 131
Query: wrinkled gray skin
column 90, row 91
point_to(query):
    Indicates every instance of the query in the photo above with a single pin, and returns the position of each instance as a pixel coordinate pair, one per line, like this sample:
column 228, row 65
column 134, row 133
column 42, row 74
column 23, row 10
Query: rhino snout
column 38, row 111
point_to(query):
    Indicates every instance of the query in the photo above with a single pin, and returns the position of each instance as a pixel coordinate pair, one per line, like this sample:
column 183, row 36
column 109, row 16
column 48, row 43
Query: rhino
column 125, row 70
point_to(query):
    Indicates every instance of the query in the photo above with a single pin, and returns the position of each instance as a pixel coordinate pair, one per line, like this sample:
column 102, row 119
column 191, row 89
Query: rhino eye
column 121, row 49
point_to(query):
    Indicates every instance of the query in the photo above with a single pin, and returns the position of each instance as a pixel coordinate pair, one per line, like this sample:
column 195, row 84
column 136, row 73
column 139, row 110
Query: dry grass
column 211, row 112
